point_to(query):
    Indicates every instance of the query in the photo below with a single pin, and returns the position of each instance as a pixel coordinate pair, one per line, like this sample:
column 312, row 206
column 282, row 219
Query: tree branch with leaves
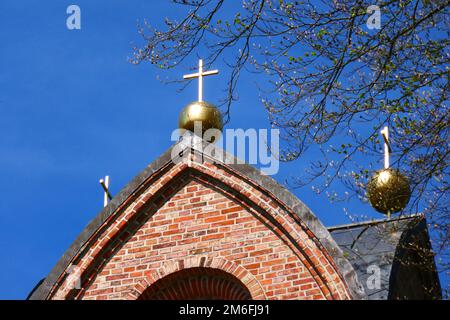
column 333, row 84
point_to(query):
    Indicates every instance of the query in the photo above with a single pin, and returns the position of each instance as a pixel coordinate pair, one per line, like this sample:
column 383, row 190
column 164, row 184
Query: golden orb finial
column 200, row 112
column 388, row 190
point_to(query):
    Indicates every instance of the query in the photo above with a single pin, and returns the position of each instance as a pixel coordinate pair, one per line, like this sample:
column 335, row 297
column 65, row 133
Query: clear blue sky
column 73, row 109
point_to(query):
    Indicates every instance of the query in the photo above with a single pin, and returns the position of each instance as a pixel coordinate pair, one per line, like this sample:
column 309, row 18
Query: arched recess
column 242, row 284
column 197, row 284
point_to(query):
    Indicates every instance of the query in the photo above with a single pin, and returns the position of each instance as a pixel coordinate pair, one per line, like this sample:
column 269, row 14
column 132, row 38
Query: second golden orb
column 388, row 191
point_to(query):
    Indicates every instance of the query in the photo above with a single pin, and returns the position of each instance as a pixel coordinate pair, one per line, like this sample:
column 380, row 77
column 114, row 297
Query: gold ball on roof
column 204, row 112
column 388, row 191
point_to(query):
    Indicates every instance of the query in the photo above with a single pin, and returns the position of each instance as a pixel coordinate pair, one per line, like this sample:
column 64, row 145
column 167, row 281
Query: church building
column 197, row 224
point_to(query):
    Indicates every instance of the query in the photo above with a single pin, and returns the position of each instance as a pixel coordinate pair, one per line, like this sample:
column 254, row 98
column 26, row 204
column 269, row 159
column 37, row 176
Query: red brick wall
column 201, row 215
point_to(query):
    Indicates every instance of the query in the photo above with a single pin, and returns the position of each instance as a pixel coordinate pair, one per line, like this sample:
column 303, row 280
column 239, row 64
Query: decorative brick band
column 170, row 267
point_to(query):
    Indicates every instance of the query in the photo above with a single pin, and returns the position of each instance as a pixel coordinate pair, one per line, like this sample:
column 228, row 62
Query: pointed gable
column 192, row 209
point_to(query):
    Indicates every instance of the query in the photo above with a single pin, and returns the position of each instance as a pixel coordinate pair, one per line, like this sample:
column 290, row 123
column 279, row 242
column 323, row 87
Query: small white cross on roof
column 107, row 195
column 200, row 76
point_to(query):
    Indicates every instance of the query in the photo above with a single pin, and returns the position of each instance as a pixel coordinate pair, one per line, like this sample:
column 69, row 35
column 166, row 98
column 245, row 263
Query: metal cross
column 387, row 147
column 200, row 76
column 107, row 196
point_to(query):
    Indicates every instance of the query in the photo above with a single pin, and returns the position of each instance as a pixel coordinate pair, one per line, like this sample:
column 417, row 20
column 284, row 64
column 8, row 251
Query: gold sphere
column 388, row 191
column 201, row 111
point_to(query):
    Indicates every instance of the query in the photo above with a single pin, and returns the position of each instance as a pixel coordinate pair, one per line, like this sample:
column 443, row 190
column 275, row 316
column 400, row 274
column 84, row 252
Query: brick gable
column 200, row 213
column 199, row 221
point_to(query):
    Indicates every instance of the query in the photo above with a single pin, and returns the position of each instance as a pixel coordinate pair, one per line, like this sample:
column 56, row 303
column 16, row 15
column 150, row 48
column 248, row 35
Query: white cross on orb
column 200, row 74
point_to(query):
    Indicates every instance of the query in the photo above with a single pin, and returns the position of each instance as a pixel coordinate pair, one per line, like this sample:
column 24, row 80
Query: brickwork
column 197, row 284
column 202, row 215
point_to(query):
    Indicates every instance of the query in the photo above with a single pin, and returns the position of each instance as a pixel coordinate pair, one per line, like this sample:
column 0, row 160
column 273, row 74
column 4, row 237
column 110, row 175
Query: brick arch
column 197, row 284
column 217, row 263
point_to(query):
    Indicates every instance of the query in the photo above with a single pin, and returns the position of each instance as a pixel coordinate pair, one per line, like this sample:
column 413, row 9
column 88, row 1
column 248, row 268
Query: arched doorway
column 197, row 284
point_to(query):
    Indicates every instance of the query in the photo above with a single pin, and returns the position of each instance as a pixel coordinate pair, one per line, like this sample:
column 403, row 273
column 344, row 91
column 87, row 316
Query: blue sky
column 73, row 109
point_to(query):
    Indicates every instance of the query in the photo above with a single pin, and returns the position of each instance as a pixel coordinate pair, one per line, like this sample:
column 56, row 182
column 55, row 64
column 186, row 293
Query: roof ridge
column 374, row 222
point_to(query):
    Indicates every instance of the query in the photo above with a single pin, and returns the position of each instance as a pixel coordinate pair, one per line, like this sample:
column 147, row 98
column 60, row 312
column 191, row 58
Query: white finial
column 200, row 76
column 387, row 148
column 107, row 196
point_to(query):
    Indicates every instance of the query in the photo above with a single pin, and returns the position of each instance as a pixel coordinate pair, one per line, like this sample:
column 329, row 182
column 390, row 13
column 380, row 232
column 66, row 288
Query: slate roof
column 401, row 251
